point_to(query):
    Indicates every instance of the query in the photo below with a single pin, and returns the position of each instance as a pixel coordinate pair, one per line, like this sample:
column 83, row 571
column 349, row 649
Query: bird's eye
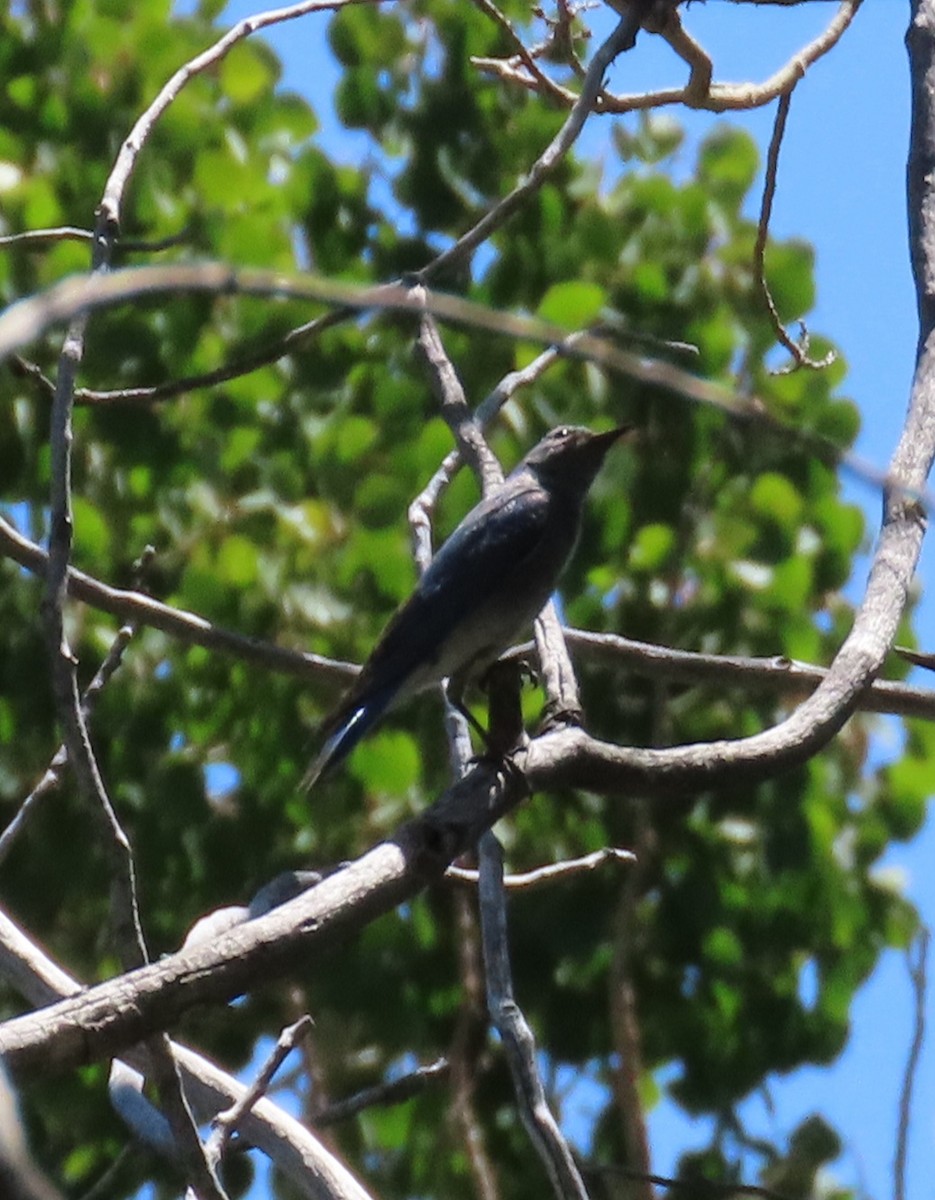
column 564, row 431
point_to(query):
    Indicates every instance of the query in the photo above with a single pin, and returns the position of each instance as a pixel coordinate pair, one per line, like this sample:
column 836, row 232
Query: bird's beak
column 608, row 439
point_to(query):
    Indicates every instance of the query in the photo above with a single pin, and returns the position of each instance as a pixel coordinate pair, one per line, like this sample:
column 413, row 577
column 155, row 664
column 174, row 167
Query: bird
column 488, row 582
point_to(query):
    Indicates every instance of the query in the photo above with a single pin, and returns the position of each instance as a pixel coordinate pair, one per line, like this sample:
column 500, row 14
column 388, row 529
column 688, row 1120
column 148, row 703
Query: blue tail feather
column 359, row 721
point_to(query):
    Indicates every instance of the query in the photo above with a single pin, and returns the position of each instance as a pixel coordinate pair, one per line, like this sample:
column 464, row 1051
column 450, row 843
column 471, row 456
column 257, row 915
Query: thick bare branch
column 312, row 1169
column 30, row 318
column 718, row 97
column 106, row 1019
column 779, row 675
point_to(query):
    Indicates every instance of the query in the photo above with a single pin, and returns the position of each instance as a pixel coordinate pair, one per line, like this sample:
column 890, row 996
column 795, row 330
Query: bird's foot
column 502, row 761
column 526, row 666
column 557, row 717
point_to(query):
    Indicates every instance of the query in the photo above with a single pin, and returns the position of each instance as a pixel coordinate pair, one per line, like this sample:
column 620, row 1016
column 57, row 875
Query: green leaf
column 776, row 498
column 790, row 276
column 387, row 762
column 355, row 436
column 380, row 500
column 237, row 561
column 573, row 305
column 92, row 532
column 727, row 164
column 247, row 73
column 651, row 547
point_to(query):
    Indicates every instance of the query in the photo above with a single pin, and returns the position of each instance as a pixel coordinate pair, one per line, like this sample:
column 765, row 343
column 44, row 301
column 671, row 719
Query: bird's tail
column 352, row 725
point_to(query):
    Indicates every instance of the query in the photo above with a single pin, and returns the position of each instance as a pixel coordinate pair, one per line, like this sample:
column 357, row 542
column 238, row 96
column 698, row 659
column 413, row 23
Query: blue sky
column 842, row 188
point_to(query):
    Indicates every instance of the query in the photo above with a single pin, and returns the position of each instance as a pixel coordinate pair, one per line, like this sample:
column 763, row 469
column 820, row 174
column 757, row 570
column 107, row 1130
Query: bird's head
column 570, row 456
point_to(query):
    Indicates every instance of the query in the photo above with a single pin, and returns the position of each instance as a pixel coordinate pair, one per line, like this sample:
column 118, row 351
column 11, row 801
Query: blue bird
column 484, row 587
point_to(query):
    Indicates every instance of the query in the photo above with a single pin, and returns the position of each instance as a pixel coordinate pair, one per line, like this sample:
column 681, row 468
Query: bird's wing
column 489, row 548
column 485, row 551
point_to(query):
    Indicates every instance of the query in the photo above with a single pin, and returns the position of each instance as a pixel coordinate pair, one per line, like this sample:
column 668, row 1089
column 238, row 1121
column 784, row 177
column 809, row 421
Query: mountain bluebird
column 486, row 584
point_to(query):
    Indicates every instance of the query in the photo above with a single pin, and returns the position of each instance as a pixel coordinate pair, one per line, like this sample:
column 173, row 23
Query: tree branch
column 519, row 1044
column 777, row 674
column 718, row 97
column 28, row 319
column 298, row 1154
column 622, row 38
column 107, row 1018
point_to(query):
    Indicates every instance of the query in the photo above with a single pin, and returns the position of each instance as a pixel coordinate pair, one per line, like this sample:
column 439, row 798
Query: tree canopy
column 267, row 449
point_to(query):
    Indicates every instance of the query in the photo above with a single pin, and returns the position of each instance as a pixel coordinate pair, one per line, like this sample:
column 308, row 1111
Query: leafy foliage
column 277, row 506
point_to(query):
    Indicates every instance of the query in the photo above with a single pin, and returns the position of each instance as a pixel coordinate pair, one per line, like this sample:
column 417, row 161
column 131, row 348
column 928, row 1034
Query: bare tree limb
column 295, row 339
column 777, row 674
column 311, row 1168
column 30, row 318
column 186, row 626
column 518, row 1041
column 107, row 1018
column 719, row 97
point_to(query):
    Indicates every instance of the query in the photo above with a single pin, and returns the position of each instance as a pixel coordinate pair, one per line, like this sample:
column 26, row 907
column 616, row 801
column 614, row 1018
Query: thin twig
column 696, row 1188
column 918, row 977
column 798, row 349
column 383, row 1095
column 119, row 177
column 105, row 1186
column 165, row 1072
column 125, row 914
column 626, row 1028
column 422, row 508
column 128, row 245
column 155, row 393
column 546, row 86
column 228, row 1122
column 468, row 1052
column 124, row 909
column 622, row 38
column 453, row 404
column 64, row 233
column 551, row 873
column 53, row 772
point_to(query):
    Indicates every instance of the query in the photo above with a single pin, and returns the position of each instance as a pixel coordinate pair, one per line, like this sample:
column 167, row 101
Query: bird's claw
column 501, row 762
column 556, row 717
